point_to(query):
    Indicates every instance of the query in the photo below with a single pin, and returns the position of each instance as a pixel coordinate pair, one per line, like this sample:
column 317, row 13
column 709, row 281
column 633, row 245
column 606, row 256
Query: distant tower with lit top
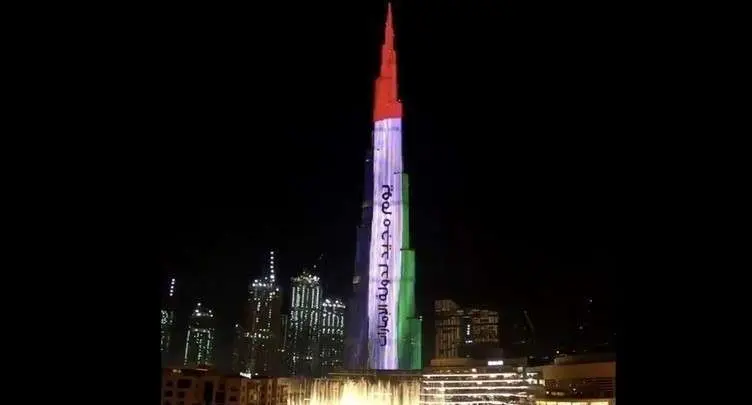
column 332, row 335
column 304, row 323
column 383, row 331
column 263, row 324
column 200, row 341
column 167, row 322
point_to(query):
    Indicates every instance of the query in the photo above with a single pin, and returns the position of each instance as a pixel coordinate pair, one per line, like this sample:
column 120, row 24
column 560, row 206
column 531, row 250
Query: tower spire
column 387, row 104
column 271, row 266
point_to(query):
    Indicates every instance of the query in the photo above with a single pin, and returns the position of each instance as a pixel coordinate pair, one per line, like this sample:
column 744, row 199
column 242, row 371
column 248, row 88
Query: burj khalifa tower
column 383, row 332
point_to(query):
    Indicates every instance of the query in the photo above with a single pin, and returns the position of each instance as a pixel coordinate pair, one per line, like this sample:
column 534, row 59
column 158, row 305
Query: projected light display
column 385, row 259
column 383, row 332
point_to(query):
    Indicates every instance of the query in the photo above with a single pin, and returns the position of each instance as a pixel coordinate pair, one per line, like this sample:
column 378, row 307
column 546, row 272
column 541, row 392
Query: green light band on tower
column 408, row 325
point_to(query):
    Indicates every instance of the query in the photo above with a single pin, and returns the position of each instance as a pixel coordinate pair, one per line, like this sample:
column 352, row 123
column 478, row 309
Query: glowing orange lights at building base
column 575, row 402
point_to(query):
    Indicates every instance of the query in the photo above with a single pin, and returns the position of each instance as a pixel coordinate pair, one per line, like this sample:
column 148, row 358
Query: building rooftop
column 200, row 372
column 469, row 362
column 376, row 374
column 584, row 358
column 188, row 372
column 577, row 401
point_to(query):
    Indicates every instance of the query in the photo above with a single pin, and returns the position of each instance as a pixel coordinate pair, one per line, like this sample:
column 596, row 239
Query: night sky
column 509, row 141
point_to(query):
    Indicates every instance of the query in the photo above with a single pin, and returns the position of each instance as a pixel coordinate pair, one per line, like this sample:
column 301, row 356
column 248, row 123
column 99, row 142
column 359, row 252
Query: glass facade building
column 200, row 340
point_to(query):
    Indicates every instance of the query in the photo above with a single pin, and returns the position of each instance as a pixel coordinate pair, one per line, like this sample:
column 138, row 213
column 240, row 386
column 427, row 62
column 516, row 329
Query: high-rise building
column 263, row 325
column 590, row 327
column 240, row 349
column 167, row 322
column 285, row 328
column 332, row 332
column 517, row 335
column 304, row 322
column 448, row 329
column 480, row 330
column 468, row 332
column 200, row 341
column 383, row 331
column 283, row 344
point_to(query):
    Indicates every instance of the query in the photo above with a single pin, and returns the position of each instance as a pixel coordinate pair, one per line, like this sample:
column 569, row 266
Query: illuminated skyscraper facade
column 332, row 335
column 200, row 341
column 304, row 325
column 167, row 321
column 383, row 331
column 263, row 325
column 472, row 333
column 480, row 330
column 447, row 320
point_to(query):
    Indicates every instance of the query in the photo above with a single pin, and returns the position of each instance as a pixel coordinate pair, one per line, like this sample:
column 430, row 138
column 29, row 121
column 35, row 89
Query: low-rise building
column 269, row 391
column 578, row 401
column 468, row 381
column 586, row 379
column 200, row 386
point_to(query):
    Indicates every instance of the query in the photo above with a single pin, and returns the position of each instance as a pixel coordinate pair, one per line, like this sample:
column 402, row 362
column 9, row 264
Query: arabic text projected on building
column 384, row 333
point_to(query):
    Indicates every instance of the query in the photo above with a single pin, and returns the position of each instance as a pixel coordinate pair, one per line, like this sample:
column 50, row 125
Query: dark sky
column 509, row 134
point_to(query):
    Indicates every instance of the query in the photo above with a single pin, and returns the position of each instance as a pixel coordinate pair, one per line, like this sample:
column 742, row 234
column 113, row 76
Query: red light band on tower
column 386, row 103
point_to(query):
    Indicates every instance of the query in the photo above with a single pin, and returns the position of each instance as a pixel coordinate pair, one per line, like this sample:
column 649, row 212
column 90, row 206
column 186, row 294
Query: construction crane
column 529, row 324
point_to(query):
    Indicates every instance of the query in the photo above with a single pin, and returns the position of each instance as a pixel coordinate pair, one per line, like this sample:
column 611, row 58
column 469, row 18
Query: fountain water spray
column 358, row 392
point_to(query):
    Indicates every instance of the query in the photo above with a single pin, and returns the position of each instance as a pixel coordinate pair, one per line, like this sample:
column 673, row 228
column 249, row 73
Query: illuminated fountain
column 358, row 392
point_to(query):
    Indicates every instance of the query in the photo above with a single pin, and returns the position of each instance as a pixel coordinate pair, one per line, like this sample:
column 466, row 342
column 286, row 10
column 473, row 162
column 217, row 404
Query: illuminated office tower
column 383, row 331
column 263, row 324
column 199, row 343
column 449, row 336
column 332, row 335
column 472, row 333
column 304, row 321
column 480, row 334
column 167, row 322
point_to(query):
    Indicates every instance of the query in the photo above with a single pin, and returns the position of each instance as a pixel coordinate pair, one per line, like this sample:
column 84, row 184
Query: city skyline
column 510, row 227
column 569, row 338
